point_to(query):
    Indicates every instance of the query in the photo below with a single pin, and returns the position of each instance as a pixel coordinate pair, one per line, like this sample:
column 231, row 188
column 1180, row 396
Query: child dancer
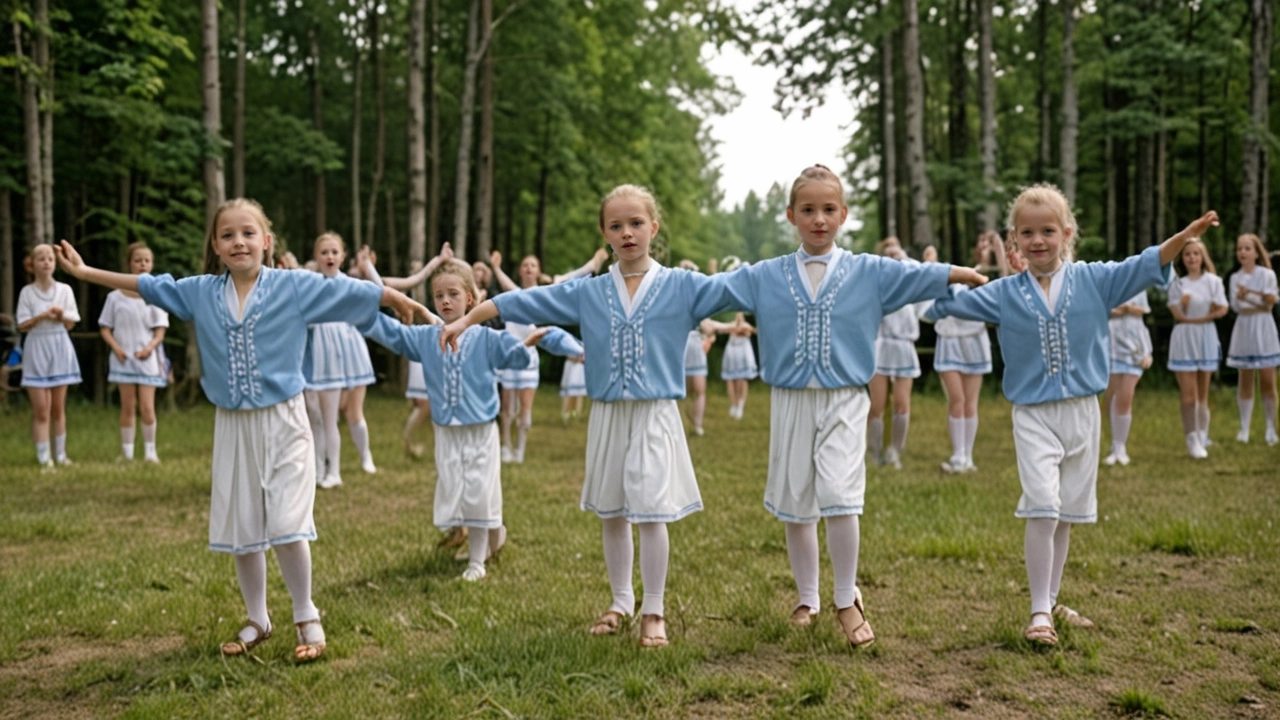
column 817, row 310
column 1196, row 299
column 961, row 357
column 337, row 360
column 635, row 323
column 1053, row 335
column 573, row 386
column 695, row 373
column 134, row 331
column 463, row 390
column 46, row 311
column 896, row 362
column 1255, row 346
column 1130, row 356
column 519, row 387
column 251, row 323
column 738, row 366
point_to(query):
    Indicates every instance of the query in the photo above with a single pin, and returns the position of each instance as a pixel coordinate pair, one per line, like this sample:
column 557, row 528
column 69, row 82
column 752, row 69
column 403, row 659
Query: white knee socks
column 294, row 560
column 60, row 448
column 1038, row 547
column 149, row 442
column 360, row 437
column 899, row 433
column 802, row 549
column 1245, row 407
column 843, row 538
column 477, row 547
column 522, row 436
column 1120, row 433
column 875, row 437
column 655, row 551
column 42, row 453
column 127, row 435
column 1269, row 409
column 698, row 409
column 1202, row 422
column 619, row 554
column 970, row 435
column 329, row 402
column 251, row 572
column 956, row 429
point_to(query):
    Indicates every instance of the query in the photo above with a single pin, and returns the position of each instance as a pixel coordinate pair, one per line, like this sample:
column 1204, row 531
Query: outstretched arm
column 1169, row 249
column 74, row 266
column 504, row 282
column 481, row 313
column 591, row 268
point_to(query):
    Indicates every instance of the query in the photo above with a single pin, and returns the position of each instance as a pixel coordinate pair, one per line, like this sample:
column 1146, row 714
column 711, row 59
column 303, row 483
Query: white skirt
column 1120, row 367
column 695, row 358
column 468, row 476
column 1056, row 444
column 897, row 358
column 49, row 360
column 967, row 354
column 1254, row 342
column 139, row 372
column 739, row 361
column 417, row 385
column 573, row 381
column 638, row 464
column 264, row 478
column 525, row 379
column 338, row 357
column 1194, row 346
column 817, row 441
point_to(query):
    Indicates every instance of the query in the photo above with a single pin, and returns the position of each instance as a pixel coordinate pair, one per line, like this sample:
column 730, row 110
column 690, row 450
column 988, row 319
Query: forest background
column 498, row 124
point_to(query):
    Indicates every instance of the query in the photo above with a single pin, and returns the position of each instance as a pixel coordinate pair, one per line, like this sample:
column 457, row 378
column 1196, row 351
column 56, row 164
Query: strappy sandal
column 856, row 630
column 1071, row 617
column 240, row 646
column 1040, row 634
column 802, row 616
column 608, row 624
column 309, row 648
column 648, row 638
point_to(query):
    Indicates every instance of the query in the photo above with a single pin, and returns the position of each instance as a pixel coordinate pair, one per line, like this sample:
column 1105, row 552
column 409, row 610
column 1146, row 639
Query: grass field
column 111, row 605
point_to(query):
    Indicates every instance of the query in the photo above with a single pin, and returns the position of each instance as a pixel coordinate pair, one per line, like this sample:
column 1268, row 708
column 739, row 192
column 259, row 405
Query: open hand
column 1017, row 263
column 1201, row 225
column 968, row 276
column 495, row 259
column 68, row 258
column 446, row 252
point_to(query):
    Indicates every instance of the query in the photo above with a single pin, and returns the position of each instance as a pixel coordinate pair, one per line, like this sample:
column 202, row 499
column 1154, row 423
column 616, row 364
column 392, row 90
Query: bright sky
column 757, row 146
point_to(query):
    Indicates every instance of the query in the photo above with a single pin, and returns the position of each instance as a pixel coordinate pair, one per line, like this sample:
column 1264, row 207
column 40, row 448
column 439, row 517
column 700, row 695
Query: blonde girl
column 1255, row 347
column 135, row 331
column 1052, row 321
column 46, row 311
column 337, row 363
column 251, row 326
column 897, row 363
column 738, row 364
column 635, row 323
column 1196, row 299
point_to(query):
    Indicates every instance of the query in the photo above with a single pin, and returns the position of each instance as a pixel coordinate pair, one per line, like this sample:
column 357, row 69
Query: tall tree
column 417, row 150
column 237, row 121
column 320, row 208
column 214, row 182
column 484, row 186
column 888, row 134
column 1070, row 104
column 44, row 64
column 987, row 101
column 357, row 116
column 433, row 148
column 377, row 60
column 1043, row 98
column 462, row 176
column 1254, row 165
column 921, row 224
column 29, row 74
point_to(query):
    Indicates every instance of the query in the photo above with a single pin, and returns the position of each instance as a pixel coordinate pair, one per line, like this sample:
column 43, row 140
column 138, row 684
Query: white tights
column 618, row 558
column 843, row 540
column 294, row 560
column 1046, row 544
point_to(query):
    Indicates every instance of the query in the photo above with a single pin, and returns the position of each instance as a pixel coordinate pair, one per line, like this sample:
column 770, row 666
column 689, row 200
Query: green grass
column 111, row 606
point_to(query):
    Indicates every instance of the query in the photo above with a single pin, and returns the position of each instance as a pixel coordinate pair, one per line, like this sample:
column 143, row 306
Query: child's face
column 1193, row 257
column 482, row 274
column 329, row 256
column 1246, row 252
column 930, row 254
column 530, row 269
column 450, row 297
column 1041, row 238
column 239, row 241
column 817, row 213
column 628, row 228
column 43, row 262
column 140, row 262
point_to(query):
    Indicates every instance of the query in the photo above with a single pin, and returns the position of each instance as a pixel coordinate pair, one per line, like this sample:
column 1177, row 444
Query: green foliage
column 1137, row 703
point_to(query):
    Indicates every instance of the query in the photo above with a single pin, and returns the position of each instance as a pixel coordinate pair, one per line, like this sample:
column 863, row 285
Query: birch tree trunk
column 888, row 140
column 357, row 114
column 484, row 188
column 214, row 181
column 921, row 225
column 237, row 121
column 380, row 143
column 34, row 218
column 1255, row 152
column 417, row 149
column 958, row 34
column 433, row 191
column 317, row 121
column 1070, row 105
column 987, row 100
column 462, row 177
column 46, row 87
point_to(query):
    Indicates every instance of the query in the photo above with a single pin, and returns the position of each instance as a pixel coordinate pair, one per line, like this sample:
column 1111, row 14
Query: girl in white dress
column 519, row 387
column 738, row 365
column 695, row 374
column 898, row 364
column 1255, row 347
column 573, row 388
column 1196, row 299
column 337, row 360
column 134, row 331
column 46, row 311
column 1130, row 356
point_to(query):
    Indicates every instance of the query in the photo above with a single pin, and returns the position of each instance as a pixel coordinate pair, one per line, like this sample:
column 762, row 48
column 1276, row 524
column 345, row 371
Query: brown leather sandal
column 240, row 646
column 856, row 629
column 802, row 616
